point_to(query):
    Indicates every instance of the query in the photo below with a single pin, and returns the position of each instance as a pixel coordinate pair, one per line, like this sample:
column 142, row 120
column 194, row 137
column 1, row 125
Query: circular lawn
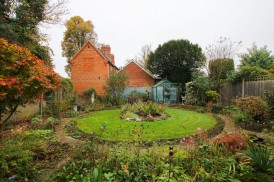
column 181, row 123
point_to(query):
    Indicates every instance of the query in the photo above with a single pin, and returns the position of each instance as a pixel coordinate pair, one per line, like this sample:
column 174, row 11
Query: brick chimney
column 107, row 52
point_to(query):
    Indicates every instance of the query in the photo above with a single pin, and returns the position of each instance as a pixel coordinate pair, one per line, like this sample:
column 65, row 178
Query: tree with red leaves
column 23, row 77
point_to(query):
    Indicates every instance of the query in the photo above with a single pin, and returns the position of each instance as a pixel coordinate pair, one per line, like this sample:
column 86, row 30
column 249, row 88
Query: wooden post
column 41, row 107
column 243, row 88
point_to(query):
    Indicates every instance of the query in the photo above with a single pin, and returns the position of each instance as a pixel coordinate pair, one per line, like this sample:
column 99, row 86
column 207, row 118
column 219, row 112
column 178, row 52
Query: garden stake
column 170, row 159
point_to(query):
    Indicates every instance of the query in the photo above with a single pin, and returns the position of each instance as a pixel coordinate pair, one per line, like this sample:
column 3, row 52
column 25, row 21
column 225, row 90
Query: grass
column 181, row 123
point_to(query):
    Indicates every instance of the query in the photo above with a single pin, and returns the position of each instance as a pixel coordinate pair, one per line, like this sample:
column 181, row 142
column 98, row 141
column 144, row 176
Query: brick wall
column 89, row 69
column 137, row 77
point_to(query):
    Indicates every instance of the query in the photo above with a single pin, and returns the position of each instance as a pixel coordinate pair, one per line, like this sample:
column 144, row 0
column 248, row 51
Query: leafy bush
column 216, row 108
column 61, row 100
column 254, row 107
column 114, row 88
column 71, row 114
column 139, row 110
column 270, row 103
column 248, row 72
column 212, row 96
column 230, row 110
column 260, row 156
column 241, row 118
column 134, row 96
column 18, row 154
column 195, row 90
column 51, row 122
column 86, row 97
column 233, row 141
column 35, row 122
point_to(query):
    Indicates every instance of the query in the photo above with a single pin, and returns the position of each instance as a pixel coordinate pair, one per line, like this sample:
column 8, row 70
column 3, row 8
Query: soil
column 63, row 138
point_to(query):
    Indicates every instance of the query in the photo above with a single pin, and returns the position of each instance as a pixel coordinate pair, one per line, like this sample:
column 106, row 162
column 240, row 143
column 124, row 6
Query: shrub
column 35, row 122
column 233, row 141
column 216, row 108
column 139, row 110
column 18, row 155
column 254, row 107
column 260, row 156
column 51, row 122
column 61, row 100
column 87, row 97
column 134, row 96
column 270, row 102
column 212, row 96
column 71, row 114
column 115, row 86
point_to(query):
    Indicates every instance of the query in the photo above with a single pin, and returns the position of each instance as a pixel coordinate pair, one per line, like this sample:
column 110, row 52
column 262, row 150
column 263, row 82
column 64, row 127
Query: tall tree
column 257, row 57
column 143, row 55
column 23, row 77
column 222, row 49
column 218, row 70
column 77, row 33
column 176, row 60
column 20, row 21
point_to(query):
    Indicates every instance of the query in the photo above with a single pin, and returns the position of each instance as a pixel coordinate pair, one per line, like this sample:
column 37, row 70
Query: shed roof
column 163, row 81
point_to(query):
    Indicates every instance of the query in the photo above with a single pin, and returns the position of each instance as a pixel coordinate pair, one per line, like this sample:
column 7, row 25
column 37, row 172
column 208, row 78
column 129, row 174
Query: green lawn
column 180, row 124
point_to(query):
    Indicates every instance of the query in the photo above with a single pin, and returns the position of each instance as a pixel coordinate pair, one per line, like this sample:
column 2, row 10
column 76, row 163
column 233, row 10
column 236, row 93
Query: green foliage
column 260, row 57
column 115, row 86
column 77, row 33
column 216, row 108
column 36, row 122
column 75, row 170
column 261, row 157
column 218, row 70
column 241, row 118
column 253, row 107
column 176, row 60
column 212, row 96
column 86, row 98
column 270, row 102
column 140, row 111
column 18, row 154
column 61, row 100
column 134, row 96
column 248, row 72
column 19, row 24
column 195, row 90
column 51, row 122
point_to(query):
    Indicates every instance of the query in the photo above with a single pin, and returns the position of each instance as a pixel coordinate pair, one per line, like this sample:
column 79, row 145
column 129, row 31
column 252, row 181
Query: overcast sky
column 127, row 25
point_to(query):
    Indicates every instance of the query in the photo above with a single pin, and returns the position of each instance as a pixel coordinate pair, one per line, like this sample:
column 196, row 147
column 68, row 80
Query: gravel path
column 61, row 135
column 230, row 126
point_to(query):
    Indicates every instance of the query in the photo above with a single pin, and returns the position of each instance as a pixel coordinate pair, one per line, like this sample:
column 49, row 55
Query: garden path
column 62, row 137
column 228, row 128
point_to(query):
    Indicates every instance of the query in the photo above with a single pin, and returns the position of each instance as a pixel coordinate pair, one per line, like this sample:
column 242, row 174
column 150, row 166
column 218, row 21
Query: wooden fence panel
column 230, row 91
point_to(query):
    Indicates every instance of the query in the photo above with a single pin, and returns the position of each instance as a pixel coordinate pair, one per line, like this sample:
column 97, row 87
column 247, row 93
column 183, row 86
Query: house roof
column 98, row 50
column 145, row 70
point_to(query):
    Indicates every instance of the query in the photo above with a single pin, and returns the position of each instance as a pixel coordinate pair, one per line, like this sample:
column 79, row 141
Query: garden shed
column 165, row 92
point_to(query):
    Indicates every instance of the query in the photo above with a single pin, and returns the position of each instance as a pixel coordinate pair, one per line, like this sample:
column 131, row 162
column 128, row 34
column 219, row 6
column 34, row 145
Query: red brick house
column 139, row 79
column 91, row 66
column 138, row 76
